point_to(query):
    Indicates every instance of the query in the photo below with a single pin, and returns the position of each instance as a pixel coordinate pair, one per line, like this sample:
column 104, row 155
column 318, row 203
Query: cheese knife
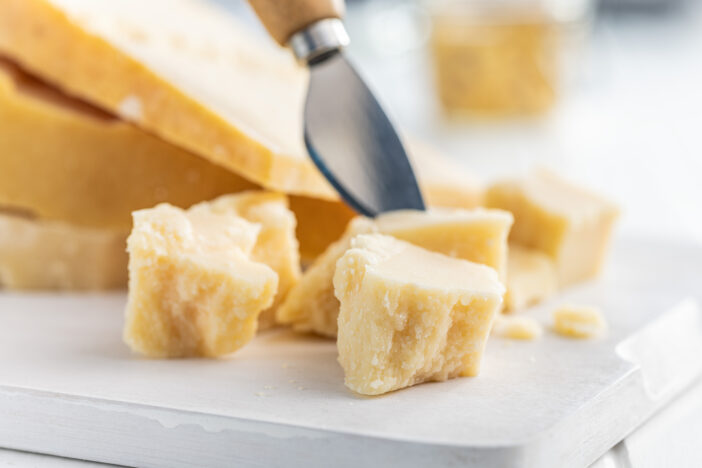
column 347, row 133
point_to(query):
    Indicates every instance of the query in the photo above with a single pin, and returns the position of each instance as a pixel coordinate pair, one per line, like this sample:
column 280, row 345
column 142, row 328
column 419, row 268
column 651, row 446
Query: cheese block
column 65, row 160
column 566, row 222
column 409, row 315
column 182, row 69
column 579, row 321
column 276, row 244
column 517, row 327
column 40, row 254
column 531, row 278
column 193, row 288
column 478, row 235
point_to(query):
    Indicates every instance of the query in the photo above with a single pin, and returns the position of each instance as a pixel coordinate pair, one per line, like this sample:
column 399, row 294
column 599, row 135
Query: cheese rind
column 475, row 235
column 276, row 244
column 409, row 315
column 40, row 254
column 566, row 222
column 531, row 278
column 193, row 290
column 517, row 327
column 578, row 321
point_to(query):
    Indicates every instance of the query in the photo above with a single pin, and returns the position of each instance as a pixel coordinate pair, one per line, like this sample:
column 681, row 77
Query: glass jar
column 500, row 57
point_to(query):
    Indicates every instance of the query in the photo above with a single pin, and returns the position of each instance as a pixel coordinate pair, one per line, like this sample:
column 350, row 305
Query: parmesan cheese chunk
column 409, row 315
column 566, row 222
column 193, row 290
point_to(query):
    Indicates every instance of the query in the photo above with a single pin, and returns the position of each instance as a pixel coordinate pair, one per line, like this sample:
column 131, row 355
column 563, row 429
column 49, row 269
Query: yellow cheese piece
column 62, row 159
column 37, row 254
column 444, row 183
column 193, row 290
column 276, row 245
column 531, row 277
column 182, row 69
column 517, row 327
column 478, row 235
column 578, row 321
column 409, row 315
column 568, row 223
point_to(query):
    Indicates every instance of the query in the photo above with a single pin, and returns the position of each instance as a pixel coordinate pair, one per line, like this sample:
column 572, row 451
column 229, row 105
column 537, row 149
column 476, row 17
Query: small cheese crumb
column 517, row 328
column 578, row 321
column 130, row 108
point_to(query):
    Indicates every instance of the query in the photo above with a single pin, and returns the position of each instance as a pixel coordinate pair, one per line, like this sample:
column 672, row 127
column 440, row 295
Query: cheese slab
column 193, row 290
column 409, row 315
column 40, row 254
column 476, row 235
column 567, row 222
column 65, row 160
column 182, row 69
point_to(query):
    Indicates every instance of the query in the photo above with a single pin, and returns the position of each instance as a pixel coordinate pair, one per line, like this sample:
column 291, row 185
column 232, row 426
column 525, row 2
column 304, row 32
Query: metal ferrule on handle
column 319, row 40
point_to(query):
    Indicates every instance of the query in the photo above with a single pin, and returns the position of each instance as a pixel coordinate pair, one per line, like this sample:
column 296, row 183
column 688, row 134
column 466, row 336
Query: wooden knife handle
column 283, row 18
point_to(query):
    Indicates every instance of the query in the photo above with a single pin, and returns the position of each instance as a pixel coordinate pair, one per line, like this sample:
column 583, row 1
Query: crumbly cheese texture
column 566, row 222
column 579, row 321
column 517, row 327
column 475, row 235
column 409, row 315
column 531, row 278
column 40, row 254
column 193, row 289
column 276, row 244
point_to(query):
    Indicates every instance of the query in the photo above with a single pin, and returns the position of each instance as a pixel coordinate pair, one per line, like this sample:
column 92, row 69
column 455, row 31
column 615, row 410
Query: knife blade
column 348, row 135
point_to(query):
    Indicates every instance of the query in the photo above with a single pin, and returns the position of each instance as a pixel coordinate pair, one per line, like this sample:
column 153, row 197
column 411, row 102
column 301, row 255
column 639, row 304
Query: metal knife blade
column 353, row 143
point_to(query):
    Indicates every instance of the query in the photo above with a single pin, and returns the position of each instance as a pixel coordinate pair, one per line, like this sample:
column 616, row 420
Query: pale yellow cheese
column 444, row 183
column 478, row 235
column 276, row 245
column 579, row 321
column 568, row 223
column 531, row 277
column 517, row 327
column 183, row 69
column 38, row 254
column 409, row 315
column 193, row 290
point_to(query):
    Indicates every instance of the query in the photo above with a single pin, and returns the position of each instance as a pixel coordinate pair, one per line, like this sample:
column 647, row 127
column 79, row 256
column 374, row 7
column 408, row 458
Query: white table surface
column 630, row 127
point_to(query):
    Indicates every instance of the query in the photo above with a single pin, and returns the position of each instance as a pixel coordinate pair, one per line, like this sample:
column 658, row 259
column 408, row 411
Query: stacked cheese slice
column 212, row 109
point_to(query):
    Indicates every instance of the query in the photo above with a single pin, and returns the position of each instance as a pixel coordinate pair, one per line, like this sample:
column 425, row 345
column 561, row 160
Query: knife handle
column 284, row 18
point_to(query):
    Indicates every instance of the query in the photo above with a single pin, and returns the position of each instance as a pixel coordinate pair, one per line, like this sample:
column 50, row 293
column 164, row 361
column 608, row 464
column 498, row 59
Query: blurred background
column 608, row 92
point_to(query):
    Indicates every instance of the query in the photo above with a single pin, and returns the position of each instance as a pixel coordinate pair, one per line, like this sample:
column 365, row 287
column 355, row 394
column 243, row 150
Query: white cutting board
column 68, row 386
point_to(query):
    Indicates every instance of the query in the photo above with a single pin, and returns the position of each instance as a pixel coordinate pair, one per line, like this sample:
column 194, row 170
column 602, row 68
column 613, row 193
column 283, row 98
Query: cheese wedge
column 531, row 278
column 566, row 222
column 578, row 321
column 517, row 327
column 39, row 254
column 276, row 245
column 182, row 69
column 409, row 315
column 477, row 235
column 62, row 159
column 193, row 289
